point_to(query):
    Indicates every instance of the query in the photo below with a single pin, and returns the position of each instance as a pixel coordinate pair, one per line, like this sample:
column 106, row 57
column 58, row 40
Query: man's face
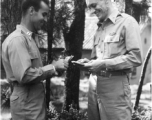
column 39, row 17
column 101, row 10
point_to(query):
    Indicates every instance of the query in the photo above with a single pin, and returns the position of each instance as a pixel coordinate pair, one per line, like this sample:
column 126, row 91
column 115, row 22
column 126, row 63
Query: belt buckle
column 105, row 74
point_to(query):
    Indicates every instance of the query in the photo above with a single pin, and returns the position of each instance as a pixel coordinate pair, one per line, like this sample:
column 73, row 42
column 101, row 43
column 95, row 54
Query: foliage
column 142, row 114
column 140, row 8
column 73, row 114
column 5, row 95
column 10, row 15
column 143, row 4
column 74, row 41
column 63, row 18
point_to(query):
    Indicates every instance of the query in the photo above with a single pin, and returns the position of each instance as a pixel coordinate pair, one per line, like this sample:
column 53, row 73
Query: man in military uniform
column 116, row 50
column 23, row 64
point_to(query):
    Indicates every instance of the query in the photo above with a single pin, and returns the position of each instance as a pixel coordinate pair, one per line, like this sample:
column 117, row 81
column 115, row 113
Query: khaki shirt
column 117, row 42
column 21, row 57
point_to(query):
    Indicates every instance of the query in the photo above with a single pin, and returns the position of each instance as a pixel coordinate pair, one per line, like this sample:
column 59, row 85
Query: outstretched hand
column 59, row 64
column 90, row 65
column 80, row 63
column 84, row 60
column 67, row 60
column 62, row 64
column 95, row 65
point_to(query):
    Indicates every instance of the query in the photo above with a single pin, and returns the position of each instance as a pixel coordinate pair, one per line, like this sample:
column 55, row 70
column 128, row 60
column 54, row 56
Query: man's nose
column 45, row 19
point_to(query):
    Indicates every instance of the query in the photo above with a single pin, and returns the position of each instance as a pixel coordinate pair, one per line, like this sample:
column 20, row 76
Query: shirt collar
column 113, row 16
column 25, row 31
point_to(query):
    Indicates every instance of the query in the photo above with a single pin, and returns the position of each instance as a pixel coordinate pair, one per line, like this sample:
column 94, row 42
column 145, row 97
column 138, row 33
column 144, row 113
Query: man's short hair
column 28, row 3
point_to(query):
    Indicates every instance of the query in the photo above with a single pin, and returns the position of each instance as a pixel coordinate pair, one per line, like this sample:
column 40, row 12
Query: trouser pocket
column 127, row 93
column 14, row 105
column 126, row 88
column 14, row 100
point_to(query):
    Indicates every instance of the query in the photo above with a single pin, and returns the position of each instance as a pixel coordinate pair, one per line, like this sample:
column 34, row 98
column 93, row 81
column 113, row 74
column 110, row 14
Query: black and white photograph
column 75, row 60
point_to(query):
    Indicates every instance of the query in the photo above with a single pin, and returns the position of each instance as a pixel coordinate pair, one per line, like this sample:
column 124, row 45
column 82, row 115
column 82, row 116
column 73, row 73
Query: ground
column 57, row 96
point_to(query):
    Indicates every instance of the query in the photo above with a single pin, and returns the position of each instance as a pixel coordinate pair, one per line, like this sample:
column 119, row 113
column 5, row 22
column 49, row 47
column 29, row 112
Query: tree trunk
column 50, row 39
column 75, row 41
column 128, row 9
column 10, row 15
column 137, row 11
column 134, row 9
column 139, row 91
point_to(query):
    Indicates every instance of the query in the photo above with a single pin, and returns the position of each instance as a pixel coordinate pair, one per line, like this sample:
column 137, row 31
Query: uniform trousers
column 109, row 98
column 28, row 102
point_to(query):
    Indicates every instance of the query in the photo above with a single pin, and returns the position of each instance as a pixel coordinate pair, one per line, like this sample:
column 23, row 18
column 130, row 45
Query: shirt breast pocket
column 111, row 44
column 33, row 54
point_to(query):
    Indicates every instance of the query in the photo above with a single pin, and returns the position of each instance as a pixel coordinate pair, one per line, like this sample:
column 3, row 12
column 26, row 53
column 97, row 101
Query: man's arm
column 133, row 57
column 20, row 61
column 38, row 74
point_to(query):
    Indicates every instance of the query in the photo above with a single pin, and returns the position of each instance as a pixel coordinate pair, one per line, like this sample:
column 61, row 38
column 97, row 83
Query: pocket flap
column 13, row 98
column 110, row 38
column 33, row 54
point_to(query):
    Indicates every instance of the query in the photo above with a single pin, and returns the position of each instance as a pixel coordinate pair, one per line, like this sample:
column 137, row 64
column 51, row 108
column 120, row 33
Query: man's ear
column 107, row 1
column 31, row 10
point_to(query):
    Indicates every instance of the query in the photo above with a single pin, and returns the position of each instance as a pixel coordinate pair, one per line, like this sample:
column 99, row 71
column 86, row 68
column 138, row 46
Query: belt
column 111, row 73
column 17, row 84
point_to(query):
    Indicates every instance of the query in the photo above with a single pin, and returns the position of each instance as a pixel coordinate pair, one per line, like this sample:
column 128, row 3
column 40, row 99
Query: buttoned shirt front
column 21, row 57
column 117, row 42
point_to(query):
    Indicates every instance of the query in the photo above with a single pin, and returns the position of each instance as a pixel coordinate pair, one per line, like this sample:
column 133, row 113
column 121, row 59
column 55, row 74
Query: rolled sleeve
column 35, row 75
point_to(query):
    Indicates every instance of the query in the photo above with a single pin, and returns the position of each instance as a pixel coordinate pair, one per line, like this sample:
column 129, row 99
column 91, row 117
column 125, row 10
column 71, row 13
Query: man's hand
column 67, row 60
column 59, row 64
column 80, row 63
column 95, row 65
column 84, row 60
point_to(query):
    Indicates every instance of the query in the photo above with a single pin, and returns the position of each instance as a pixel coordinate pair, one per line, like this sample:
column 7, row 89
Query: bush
column 142, row 114
column 72, row 114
